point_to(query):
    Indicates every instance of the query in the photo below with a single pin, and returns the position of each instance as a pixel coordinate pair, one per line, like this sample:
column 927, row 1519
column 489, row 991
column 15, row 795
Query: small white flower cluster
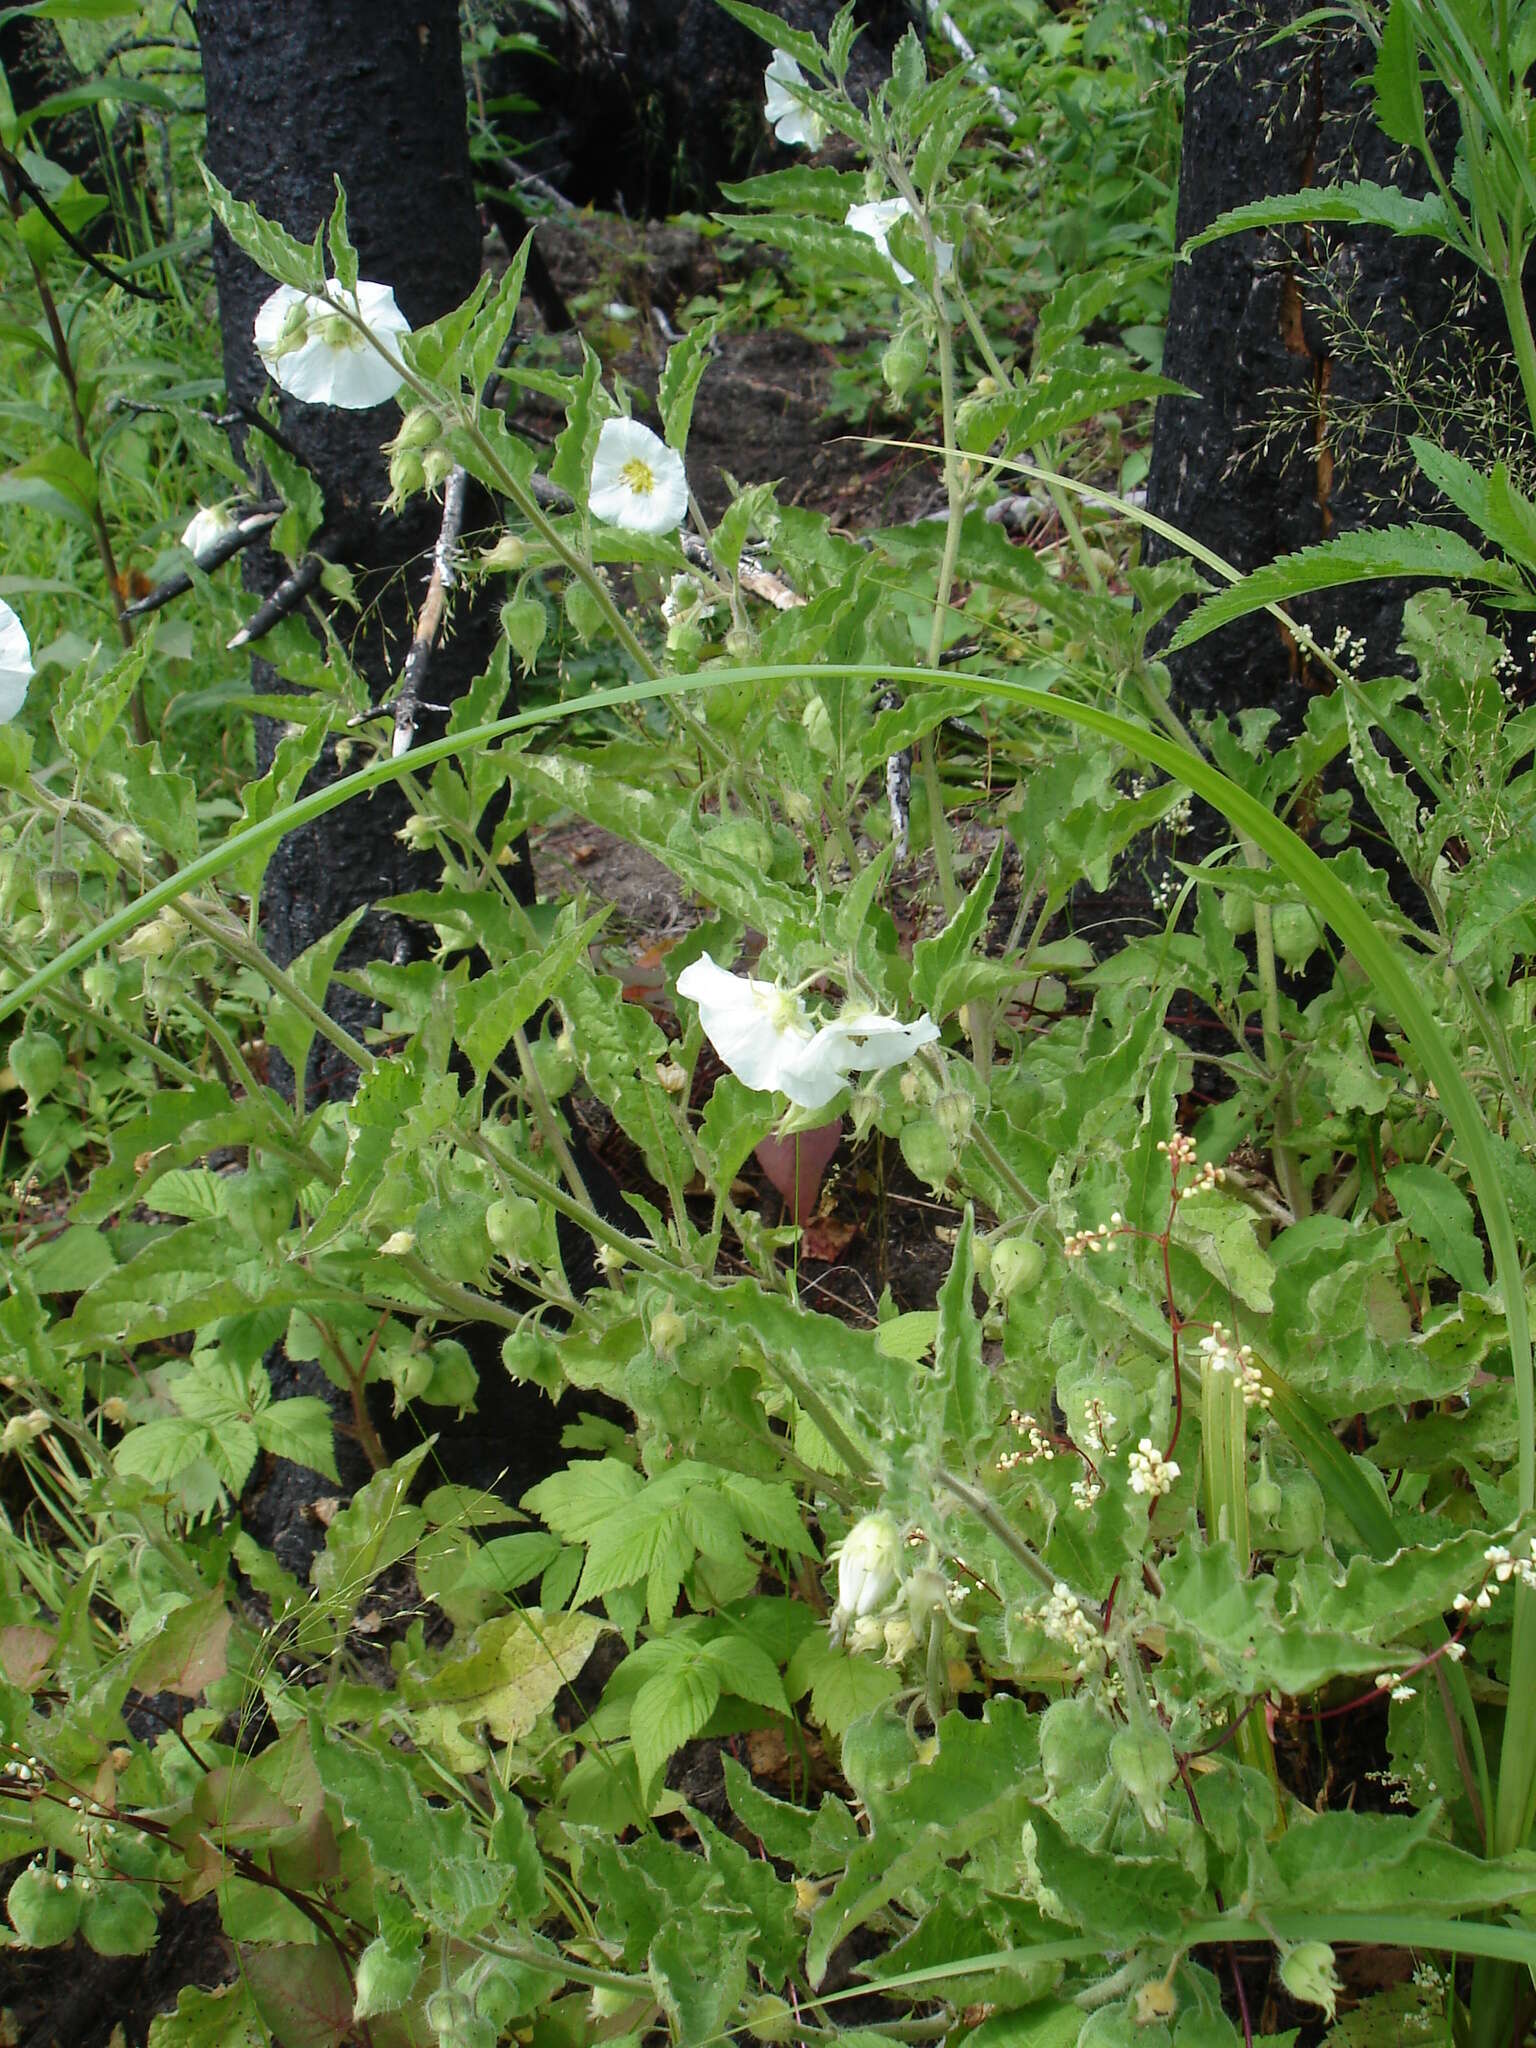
column 1041, row 1445
column 1392, row 1682
column 1398, row 1790
column 1178, row 819
column 1092, row 1240
column 1086, row 1490
column 1429, row 1980
column 1164, row 890
column 1151, row 1473
column 1065, row 1621
column 1097, row 1423
column 891, row 1637
column 24, row 1771
column 1224, row 1356
column 1181, row 1154
column 1348, row 649
column 1505, row 1566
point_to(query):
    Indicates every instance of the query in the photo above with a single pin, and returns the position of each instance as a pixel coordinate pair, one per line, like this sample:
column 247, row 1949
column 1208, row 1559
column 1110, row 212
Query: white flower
column 1150, row 1472
column 761, row 1032
column 314, row 352
column 790, row 118
column 873, row 1044
column 875, row 219
column 638, row 482
column 868, row 1566
column 764, row 1036
column 15, row 663
column 209, row 523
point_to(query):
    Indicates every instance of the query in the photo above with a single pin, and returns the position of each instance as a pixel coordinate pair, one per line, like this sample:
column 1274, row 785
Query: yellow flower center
column 639, row 476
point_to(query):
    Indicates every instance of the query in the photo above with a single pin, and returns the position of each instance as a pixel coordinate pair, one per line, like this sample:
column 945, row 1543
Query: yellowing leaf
column 514, row 1667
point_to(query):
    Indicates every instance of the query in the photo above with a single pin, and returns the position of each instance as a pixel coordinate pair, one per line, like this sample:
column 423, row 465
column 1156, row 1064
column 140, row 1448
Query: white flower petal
column 209, row 523
column 875, row 219
column 791, row 120
column 638, row 482
column 320, row 357
column 870, row 1044
column 764, row 1036
column 15, row 663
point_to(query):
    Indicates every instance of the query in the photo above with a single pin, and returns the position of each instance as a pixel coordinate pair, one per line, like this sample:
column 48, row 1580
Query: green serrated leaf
column 1364, row 556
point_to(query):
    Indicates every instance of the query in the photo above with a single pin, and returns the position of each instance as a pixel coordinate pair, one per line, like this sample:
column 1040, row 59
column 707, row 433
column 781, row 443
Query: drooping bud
column 868, row 1566
column 1307, row 1972
column 58, row 897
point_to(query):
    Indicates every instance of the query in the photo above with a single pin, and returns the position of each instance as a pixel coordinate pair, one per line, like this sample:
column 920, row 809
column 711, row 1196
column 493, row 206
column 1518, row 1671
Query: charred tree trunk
column 1306, row 352
column 370, row 91
column 109, row 162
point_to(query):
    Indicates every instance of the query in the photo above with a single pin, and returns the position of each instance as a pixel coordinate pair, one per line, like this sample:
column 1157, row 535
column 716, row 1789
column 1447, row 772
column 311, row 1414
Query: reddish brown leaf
column 24, row 1653
column 795, row 1166
column 189, row 1652
column 301, row 1993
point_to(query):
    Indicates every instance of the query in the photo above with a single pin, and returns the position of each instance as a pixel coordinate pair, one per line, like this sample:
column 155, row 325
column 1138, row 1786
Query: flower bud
column 37, row 1061
column 927, row 1597
column 685, row 643
column 126, row 847
column 1141, row 1757
column 507, row 557
column 741, row 643
column 904, row 360
column 1017, row 1266
column 154, row 940
column 407, row 475
column 437, row 465
column 868, row 1565
column 668, row 1329
column 419, row 429
column 58, row 897
column 99, row 982
column 953, row 1113
column 398, row 1243
column 1307, row 1972
column 24, row 1429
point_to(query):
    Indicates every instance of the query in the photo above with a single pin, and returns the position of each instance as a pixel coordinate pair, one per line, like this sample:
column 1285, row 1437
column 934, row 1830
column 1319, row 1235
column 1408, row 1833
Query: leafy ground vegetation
column 1037, row 1538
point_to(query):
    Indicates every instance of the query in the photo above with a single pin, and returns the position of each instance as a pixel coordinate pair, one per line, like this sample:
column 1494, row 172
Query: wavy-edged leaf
column 1361, row 205
column 1362, row 557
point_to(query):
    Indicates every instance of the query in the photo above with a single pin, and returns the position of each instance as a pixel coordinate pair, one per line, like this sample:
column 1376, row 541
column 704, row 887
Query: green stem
column 987, row 1514
column 956, row 492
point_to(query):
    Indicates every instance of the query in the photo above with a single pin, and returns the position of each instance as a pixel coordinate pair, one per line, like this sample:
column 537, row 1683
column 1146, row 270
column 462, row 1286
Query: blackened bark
column 1297, row 434
column 109, row 162
column 649, row 104
column 371, row 91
